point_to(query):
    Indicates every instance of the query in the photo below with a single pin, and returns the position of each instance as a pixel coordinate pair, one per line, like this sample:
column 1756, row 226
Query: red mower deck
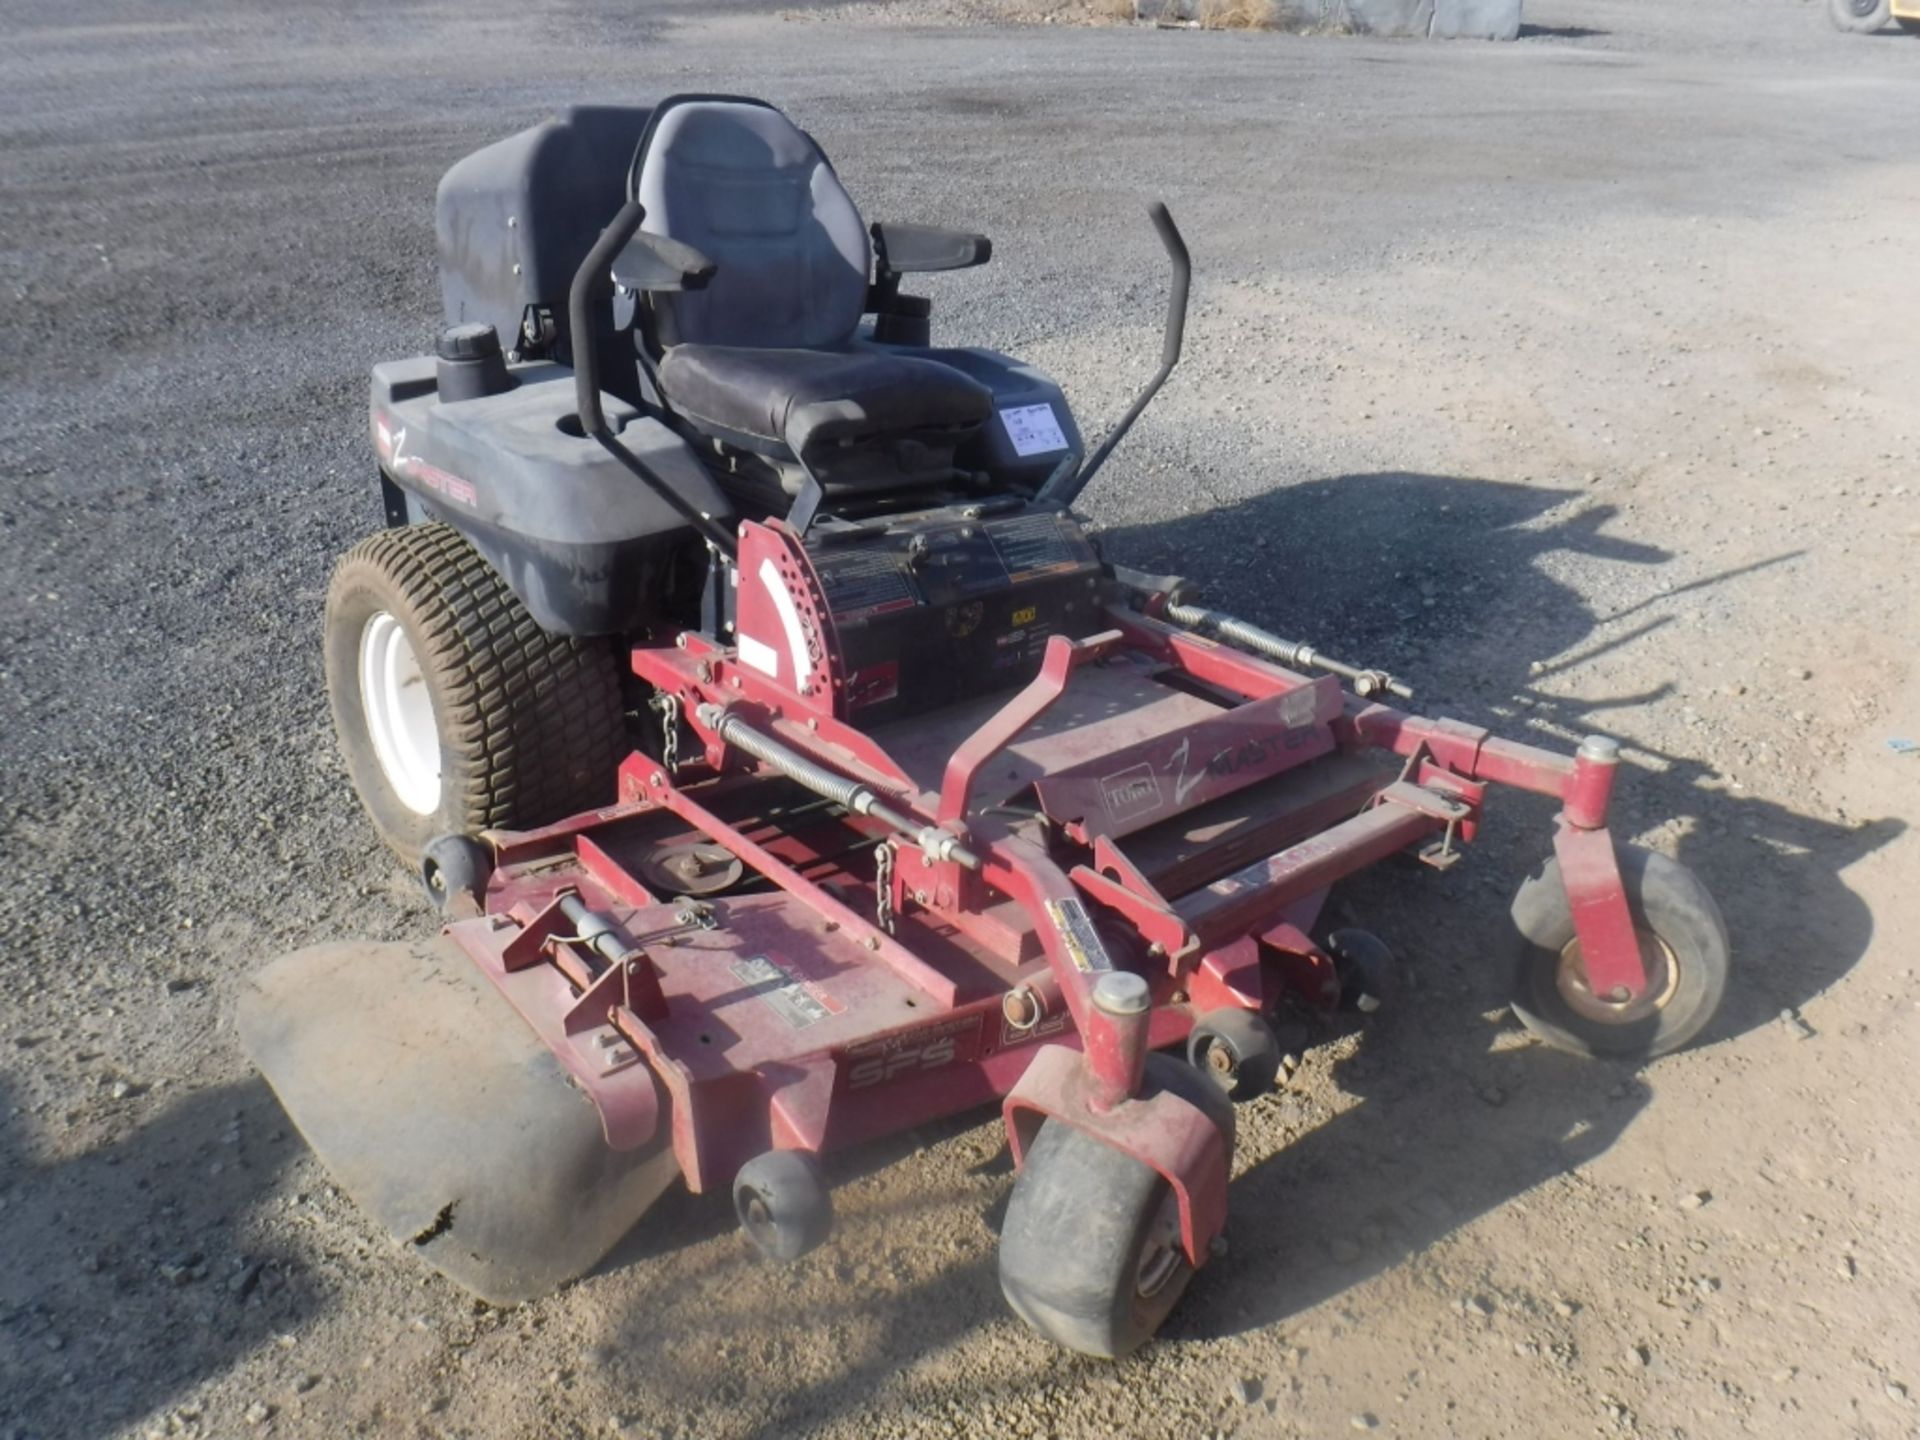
column 871, row 986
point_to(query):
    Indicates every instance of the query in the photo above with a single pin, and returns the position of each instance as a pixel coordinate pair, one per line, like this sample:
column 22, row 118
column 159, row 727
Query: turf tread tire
column 531, row 724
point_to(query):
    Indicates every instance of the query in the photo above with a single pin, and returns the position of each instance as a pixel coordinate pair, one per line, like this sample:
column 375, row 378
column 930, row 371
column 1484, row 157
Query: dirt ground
column 1574, row 379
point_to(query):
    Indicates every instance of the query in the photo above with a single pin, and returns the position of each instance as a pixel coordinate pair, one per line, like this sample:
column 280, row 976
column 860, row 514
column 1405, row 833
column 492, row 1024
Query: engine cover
column 925, row 613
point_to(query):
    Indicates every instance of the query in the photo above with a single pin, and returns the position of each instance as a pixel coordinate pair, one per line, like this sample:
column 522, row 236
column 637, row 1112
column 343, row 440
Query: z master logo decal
column 431, row 476
column 1247, row 755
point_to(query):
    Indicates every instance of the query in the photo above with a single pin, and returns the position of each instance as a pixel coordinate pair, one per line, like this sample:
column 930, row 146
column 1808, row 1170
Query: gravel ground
column 1573, row 379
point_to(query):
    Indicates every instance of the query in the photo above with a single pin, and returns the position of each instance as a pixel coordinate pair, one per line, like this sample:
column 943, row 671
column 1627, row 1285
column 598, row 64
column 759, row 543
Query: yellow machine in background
column 1864, row 16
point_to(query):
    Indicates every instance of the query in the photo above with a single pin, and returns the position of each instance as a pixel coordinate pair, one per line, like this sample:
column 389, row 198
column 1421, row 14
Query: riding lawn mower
column 790, row 769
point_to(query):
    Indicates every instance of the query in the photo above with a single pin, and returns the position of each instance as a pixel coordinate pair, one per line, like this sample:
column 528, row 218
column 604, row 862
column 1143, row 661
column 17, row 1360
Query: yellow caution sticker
column 1076, row 932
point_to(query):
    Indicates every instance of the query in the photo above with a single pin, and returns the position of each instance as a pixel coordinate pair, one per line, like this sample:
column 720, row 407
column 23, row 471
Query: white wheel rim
column 399, row 714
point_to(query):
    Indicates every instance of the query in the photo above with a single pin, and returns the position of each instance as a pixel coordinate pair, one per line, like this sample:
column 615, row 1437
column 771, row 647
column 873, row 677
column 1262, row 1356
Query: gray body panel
column 572, row 531
column 515, row 219
column 1016, row 385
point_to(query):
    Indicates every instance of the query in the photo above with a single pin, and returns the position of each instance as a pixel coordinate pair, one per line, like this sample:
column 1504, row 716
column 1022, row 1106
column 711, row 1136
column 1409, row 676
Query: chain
column 883, row 887
column 670, row 733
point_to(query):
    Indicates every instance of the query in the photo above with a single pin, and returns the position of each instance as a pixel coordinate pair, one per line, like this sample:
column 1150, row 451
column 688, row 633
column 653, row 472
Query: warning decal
column 1038, row 545
column 1033, row 429
column 862, row 583
column 1070, row 918
column 798, row 1002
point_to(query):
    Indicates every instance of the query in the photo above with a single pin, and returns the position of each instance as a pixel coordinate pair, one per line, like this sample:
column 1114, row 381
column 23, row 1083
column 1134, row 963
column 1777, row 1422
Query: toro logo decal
column 1129, row 792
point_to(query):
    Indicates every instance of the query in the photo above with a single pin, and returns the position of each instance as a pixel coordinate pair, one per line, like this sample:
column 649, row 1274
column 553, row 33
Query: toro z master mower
column 790, row 769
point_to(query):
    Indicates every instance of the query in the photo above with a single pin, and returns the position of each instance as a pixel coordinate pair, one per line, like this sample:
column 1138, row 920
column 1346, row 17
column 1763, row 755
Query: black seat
column 766, row 356
column 799, row 399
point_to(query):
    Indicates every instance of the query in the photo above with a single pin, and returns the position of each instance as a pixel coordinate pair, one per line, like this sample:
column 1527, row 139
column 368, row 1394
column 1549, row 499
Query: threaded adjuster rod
column 830, row 785
column 1222, row 626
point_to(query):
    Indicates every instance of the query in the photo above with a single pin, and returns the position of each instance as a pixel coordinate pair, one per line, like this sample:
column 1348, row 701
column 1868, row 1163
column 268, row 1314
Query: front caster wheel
column 1365, row 966
column 1090, row 1252
column 1683, row 945
column 783, row 1204
column 455, row 870
column 1238, row 1050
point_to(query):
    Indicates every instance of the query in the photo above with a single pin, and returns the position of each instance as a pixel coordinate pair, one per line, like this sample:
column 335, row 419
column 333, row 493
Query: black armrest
column 909, row 249
column 653, row 262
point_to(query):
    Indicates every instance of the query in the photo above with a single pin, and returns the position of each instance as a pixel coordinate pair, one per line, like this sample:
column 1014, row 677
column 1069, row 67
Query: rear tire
column 1860, row 17
column 519, row 727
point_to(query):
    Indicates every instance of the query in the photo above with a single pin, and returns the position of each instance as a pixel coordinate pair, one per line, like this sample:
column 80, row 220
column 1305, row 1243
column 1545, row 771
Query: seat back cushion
column 741, row 182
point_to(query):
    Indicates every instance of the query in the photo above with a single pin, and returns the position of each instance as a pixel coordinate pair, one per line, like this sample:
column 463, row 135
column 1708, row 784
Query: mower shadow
column 1439, row 1138
column 1449, row 591
column 680, row 1218
column 132, row 1273
column 1441, row 580
column 909, row 1272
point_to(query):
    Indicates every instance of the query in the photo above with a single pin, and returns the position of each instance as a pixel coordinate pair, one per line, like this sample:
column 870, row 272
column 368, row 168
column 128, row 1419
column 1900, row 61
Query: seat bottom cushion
column 799, row 398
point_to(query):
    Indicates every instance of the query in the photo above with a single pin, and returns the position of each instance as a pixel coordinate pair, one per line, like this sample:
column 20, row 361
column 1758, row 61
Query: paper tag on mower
column 1034, row 429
